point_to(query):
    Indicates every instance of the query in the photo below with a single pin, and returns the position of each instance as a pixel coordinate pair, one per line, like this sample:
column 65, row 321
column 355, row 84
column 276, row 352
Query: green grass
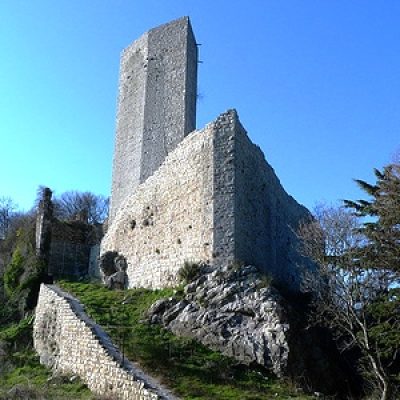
column 188, row 368
column 20, row 367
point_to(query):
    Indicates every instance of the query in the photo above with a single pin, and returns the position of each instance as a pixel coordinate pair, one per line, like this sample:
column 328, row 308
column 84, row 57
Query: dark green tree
column 357, row 291
column 23, row 272
column 382, row 230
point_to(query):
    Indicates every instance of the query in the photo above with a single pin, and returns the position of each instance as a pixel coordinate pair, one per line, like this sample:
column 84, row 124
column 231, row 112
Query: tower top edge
column 182, row 21
column 185, row 20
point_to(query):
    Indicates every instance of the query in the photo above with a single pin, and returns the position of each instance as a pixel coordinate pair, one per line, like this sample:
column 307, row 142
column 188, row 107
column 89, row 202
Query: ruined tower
column 156, row 104
column 181, row 194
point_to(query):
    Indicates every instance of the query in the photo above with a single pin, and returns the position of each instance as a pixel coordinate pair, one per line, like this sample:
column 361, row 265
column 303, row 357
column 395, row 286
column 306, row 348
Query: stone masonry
column 68, row 248
column 169, row 218
column 208, row 195
column 43, row 224
column 214, row 199
column 72, row 344
column 156, row 104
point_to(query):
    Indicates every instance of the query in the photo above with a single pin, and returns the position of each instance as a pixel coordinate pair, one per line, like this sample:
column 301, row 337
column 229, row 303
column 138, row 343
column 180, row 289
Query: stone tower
column 156, row 104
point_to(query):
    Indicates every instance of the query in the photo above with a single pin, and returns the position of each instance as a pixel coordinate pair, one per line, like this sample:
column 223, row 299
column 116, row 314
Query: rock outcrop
column 233, row 310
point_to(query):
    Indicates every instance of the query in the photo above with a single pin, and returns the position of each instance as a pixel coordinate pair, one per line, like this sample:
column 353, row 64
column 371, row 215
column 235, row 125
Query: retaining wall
column 72, row 344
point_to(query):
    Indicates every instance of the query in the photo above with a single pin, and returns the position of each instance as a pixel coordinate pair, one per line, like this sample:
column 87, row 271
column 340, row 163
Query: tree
column 91, row 208
column 7, row 210
column 23, row 271
column 356, row 292
column 382, row 231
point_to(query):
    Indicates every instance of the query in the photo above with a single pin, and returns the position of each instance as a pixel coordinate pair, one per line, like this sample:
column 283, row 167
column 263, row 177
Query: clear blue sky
column 316, row 84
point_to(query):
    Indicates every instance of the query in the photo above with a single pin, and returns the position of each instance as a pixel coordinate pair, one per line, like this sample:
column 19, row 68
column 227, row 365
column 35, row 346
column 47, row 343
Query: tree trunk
column 383, row 382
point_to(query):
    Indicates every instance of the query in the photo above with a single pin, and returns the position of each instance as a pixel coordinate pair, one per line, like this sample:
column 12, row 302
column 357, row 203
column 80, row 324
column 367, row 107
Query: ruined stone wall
column 70, row 248
column 214, row 199
column 156, row 104
column 65, row 246
column 224, row 189
column 266, row 217
column 169, row 219
column 68, row 259
column 70, row 343
column 255, row 220
column 44, row 217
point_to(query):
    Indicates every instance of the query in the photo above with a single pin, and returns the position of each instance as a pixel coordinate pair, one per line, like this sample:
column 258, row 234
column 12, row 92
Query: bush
column 189, row 272
column 236, row 265
column 13, row 272
column 22, row 278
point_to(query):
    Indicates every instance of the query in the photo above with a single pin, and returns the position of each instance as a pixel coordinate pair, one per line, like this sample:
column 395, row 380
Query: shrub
column 22, row 278
column 189, row 272
column 236, row 265
column 13, row 272
column 265, row 281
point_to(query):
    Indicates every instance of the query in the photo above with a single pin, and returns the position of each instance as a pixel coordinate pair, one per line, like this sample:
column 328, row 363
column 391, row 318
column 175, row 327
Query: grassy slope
column 188, row 368
column 20, row 367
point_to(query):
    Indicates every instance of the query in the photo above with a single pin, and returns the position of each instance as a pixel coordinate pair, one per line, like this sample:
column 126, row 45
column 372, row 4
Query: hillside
column 192, row 371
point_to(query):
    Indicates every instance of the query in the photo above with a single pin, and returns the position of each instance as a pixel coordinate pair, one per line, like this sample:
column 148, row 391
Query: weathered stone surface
column 43, row 224
column 233, row 310
column 107, row 263
column 72, row 344
column 68, row 248
column 208, row 195
column 113, row 270
column 156, row 103
column 214, row 199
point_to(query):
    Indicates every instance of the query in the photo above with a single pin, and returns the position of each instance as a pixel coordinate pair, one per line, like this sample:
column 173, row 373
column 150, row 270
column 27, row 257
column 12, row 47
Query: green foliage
column 356, row 293
column 23, row 274
column 27, row 386
column 381, row 230
column 19, row 333
column 384, row 331
column 189, row 272
column 34, row 381
column 20, row 369
column 265, row 281
column 380, row 253
column 13, row 272
column 22, row 278
column 21, row 232
column 188, row 368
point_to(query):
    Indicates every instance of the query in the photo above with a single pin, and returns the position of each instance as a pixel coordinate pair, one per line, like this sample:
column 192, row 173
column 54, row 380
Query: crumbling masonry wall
column 71, row 245
column 266, row 217
column 169, row 218
column 72, row 344
column 68, row 248
column 214, row 199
